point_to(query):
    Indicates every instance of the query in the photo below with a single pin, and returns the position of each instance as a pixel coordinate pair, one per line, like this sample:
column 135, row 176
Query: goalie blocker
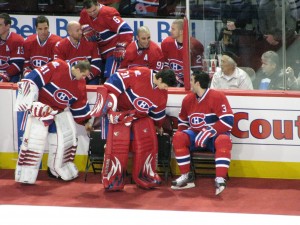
column 145, row 152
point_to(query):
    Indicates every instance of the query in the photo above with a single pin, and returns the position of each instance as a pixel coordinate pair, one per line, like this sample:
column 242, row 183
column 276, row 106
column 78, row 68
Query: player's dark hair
column 83, row 65
column 167, row 76
column 89, row 3
column 6, row 17
column 202, row 78
column 41, row 19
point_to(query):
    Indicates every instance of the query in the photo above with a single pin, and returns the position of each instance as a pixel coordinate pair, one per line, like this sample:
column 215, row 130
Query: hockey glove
column 4, row 77
column 39, row 109
column 119, row 52
column 90, row 34
column 125, row 117
column 203, row 136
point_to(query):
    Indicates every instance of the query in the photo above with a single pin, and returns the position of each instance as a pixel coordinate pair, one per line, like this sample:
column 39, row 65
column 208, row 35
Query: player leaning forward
column 53, row 95
column 205, row 121
column 135, row 101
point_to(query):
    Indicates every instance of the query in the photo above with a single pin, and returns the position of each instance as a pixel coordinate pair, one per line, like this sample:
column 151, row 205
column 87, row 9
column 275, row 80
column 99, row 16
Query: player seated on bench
column 205, row 121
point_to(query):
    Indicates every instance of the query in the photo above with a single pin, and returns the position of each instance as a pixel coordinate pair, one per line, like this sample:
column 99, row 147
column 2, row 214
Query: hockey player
column 11, row 51
column 75, row 48
column 38, row 48
column 54, row 95
column 136, row 99
column 205, row 121
column 172, row 48
column 143, row 52
column 104, row 25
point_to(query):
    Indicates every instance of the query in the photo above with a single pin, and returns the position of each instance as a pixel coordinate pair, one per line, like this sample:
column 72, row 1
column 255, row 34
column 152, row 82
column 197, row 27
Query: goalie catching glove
column 119, row 52
column 204, row 135
column 90, row 34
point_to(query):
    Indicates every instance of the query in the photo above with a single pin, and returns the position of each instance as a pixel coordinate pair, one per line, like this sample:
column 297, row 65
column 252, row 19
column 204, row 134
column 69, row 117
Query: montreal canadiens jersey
column 111, row 28
column 197, row 53
column 59, row 89
column 85, row 50
column 212, row 109
column 173, row 54
column 151, row 57
column 135, row 90
column 38, row 54
column 12, row 54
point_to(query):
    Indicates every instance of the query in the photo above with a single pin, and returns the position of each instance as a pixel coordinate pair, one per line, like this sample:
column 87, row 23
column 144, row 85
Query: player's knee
column 223, row 144
column 180, row 140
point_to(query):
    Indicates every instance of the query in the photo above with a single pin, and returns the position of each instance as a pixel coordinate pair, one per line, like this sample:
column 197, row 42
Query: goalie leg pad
column 27, row 94
column 116, row 157
column 62, row 151
column 223, row 146
column 31, row 151
column 145, row 151
column 104, row 102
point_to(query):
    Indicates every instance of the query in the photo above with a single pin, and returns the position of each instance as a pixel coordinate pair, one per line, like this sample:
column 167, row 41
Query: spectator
column 11, row 51
column 172, row 48
column 39, row 47
column 230, row 76
column 204, row 122
column 75, row 48
column 104, row 25
column 271, row 76
column 143, row 52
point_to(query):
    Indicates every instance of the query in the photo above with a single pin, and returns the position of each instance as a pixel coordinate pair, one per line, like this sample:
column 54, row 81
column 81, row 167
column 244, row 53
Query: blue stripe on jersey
column 107, row 34
column 116, row 82
column 183, row 122
column 227, row 120
column 157, row 115
column 125, row 28
column 18, row 62
column 222, row 162
column 183, row 160
column 36, row 78
column 80, row 112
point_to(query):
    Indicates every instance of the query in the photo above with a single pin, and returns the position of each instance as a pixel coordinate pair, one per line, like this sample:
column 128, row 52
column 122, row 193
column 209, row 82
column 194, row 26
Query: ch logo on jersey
column 75, row 60
column 4, row 62
column 38, row 61
column 62, row 96
column 142, row 104
column 197, row 120
column 176, row 65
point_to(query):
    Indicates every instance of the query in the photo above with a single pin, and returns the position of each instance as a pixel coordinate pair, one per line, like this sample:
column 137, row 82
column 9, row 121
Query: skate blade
column 187, row 186
column 220, row 189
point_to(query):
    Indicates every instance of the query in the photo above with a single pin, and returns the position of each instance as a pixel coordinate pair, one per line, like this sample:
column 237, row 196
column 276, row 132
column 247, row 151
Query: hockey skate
column 185, row 181
column 220, row 183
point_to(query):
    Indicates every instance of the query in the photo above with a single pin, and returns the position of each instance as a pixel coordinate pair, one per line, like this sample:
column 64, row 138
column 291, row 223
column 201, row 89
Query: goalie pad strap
column 116, row 157
column 31, row 151
column 145, row 150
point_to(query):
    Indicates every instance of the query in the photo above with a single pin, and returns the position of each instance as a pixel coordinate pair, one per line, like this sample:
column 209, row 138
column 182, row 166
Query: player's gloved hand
column 90, row 34
column 4, row 77
column 119, row 52
column 26, row 71
column 204, row 135
column 47, row 120
column 39, row 109
column 125, row 117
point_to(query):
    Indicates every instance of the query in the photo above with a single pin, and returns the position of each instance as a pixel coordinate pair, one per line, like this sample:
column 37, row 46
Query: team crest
column 142, row 104
column 62, row 96
column 197, row 120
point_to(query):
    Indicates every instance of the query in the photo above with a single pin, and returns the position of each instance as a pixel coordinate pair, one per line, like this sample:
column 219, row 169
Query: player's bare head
column 177, row 29
column 6, row 18
column 74, row 30
column 83, row 65
column 91, row 7
column 143, row 37
column 201, row 77
column 41, row 19
column 167, row 77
